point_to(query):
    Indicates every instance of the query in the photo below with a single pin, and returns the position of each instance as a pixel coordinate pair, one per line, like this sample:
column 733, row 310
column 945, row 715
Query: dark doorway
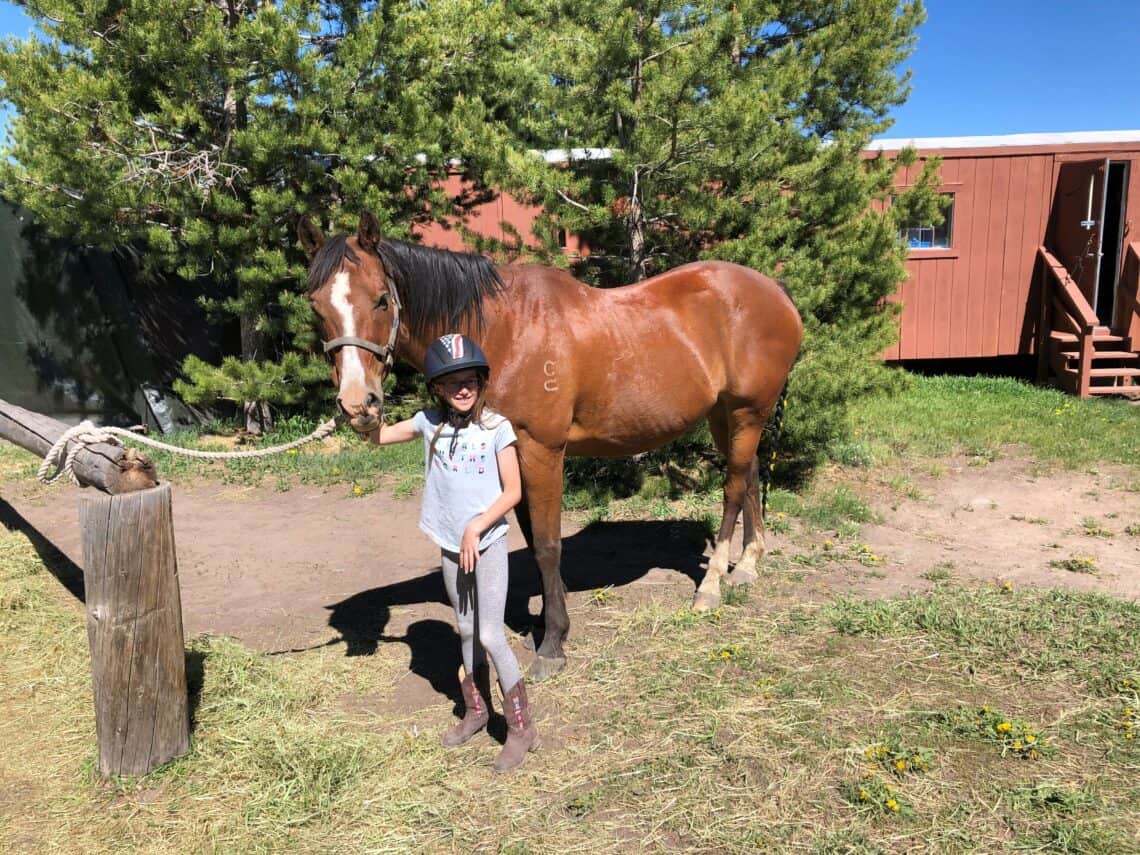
column 1112, row 238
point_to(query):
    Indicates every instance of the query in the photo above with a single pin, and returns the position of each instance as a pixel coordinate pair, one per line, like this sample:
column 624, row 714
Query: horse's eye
column 382, row 303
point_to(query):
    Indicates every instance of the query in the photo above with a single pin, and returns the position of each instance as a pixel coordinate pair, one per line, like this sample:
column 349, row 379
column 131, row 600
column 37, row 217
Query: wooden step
column 1098, row 337
column 1101, row 354
column 1114, row 372
column 1124, row 391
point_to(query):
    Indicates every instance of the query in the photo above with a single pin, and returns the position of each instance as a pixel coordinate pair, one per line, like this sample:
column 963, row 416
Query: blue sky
column 1023, row 66
column 998, row 67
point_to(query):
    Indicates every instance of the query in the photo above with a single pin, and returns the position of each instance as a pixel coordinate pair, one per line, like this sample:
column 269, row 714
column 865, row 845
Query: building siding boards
column 978, row 298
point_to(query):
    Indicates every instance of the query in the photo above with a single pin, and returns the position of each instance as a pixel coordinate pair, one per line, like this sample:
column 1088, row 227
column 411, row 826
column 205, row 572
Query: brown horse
column 577, row 370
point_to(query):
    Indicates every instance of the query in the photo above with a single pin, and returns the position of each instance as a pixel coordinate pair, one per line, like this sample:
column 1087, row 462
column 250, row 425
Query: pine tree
column 198, row 130
column 736, row 130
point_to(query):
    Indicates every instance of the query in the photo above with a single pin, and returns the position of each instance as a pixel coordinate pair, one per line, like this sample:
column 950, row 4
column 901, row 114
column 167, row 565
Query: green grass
column 977, row 416
column 747, row 732
column 768, row 725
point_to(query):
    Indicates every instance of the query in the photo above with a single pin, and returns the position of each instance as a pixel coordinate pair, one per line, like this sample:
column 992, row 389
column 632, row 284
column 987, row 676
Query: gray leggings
column 480, row 600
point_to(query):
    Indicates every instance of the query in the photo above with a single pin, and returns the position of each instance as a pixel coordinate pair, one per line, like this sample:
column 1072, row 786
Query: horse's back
column 635, row 366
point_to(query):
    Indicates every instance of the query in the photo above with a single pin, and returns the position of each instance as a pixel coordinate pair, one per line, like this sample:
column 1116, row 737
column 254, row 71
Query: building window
column 927, row 236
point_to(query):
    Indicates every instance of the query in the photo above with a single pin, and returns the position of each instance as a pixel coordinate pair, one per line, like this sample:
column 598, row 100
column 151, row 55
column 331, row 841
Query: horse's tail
column 769, row 441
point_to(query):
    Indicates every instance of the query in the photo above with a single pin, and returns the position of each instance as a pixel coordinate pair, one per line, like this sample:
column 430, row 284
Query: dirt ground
column 286, row 571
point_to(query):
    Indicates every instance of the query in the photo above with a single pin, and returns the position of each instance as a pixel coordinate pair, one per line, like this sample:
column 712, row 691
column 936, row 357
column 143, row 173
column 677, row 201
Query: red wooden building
column 1037, row 255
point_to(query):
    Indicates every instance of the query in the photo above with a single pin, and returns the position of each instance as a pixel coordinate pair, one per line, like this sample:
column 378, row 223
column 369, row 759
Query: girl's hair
column 449, row 416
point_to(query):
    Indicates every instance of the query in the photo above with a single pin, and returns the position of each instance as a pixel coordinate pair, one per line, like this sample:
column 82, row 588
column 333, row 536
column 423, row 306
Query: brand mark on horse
column 551, row 384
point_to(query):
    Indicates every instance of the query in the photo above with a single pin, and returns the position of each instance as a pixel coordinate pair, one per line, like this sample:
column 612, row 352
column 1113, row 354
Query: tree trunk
column 258, row 419
column 635, row 218
column 636, row 226
column 256, row 414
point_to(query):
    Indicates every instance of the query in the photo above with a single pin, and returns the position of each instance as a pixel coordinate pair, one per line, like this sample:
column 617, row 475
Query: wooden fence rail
column 111, row 468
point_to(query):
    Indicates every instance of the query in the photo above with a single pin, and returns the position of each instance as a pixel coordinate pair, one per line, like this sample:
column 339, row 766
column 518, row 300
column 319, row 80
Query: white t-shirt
column 461, row 485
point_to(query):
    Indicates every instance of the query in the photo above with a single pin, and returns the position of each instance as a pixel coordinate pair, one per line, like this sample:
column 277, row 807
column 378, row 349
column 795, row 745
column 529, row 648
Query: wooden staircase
column 1087, row 357
column 1111, row 368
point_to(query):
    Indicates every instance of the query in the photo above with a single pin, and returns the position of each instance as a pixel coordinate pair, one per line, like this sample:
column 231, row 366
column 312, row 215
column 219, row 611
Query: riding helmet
column 452, row 352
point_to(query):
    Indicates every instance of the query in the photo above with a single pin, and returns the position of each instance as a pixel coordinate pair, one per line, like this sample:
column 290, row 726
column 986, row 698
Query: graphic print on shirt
column 466, row 459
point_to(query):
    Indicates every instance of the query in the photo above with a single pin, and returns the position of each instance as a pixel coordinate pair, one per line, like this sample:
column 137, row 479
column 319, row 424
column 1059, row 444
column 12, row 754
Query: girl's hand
column 469, row 549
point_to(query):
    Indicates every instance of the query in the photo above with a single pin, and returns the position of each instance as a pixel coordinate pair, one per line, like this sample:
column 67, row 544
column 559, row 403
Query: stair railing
column 1064, row 308
column 1128, row 302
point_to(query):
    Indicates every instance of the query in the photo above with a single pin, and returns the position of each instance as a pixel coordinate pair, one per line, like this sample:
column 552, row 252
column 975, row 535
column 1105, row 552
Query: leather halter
column 387, row 352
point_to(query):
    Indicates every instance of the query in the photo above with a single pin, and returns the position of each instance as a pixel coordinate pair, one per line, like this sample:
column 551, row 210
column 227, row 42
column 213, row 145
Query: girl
column 471, row 479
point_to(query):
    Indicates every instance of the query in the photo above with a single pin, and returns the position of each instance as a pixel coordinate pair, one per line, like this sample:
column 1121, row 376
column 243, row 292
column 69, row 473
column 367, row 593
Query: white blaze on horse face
column 351, row 360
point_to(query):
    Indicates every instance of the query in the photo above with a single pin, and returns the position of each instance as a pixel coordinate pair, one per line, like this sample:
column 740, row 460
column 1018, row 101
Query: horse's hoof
column 544, row 667
column 705, row 601
column 741, row 576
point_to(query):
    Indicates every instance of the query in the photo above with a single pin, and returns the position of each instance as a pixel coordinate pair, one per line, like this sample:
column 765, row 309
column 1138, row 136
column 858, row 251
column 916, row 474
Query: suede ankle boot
column 522, row 736
column 475, row 715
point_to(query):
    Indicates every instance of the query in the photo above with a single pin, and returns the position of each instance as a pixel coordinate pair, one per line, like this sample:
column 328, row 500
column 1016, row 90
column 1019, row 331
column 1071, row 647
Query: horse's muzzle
column 365, row 417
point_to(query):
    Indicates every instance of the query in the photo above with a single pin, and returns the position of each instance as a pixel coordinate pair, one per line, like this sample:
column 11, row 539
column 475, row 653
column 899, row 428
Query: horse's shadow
column 602, row 554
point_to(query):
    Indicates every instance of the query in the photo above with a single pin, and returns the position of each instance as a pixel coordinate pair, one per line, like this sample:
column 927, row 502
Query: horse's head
column 360, row 315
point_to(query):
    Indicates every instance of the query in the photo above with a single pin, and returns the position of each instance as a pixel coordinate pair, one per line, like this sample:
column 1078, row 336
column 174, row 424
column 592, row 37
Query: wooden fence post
column 134, row 626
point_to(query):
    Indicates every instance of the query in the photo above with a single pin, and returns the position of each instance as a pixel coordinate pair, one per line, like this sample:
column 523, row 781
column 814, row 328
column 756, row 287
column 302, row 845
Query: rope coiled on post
column 60, row 459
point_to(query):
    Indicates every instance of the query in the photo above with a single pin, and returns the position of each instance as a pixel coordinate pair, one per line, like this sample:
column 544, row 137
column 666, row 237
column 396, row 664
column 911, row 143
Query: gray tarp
column 84, row 335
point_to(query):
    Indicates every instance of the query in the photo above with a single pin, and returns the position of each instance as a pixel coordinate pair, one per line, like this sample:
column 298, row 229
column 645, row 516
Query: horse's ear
column 369, row 234
column 310, row 237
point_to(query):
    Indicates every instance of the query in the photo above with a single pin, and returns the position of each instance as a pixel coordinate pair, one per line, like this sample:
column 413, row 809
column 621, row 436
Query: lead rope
column 60, row 459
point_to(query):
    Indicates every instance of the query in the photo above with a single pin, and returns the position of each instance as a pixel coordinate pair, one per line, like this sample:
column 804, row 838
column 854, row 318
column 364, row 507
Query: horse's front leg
column 542, row 480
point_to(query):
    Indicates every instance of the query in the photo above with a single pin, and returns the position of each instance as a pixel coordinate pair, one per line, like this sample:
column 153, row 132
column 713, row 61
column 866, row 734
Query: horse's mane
column 438, row 288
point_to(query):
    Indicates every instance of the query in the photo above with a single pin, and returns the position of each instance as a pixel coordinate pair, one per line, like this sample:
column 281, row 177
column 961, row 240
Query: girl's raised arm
column 391, row 434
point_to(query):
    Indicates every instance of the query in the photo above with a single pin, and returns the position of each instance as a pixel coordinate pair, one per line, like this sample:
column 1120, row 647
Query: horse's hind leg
column 737, row 434
column 744, row 573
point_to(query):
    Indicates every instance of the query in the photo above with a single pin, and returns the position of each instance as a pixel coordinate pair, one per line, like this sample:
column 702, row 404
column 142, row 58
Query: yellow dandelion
column 1017, row 745
column 864, row 795
column 1128, row 735
column 358, row 491
column 291, row 451
column 1030, row 738
column 892, row 804
column 900, row 765
column 1004, row 727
